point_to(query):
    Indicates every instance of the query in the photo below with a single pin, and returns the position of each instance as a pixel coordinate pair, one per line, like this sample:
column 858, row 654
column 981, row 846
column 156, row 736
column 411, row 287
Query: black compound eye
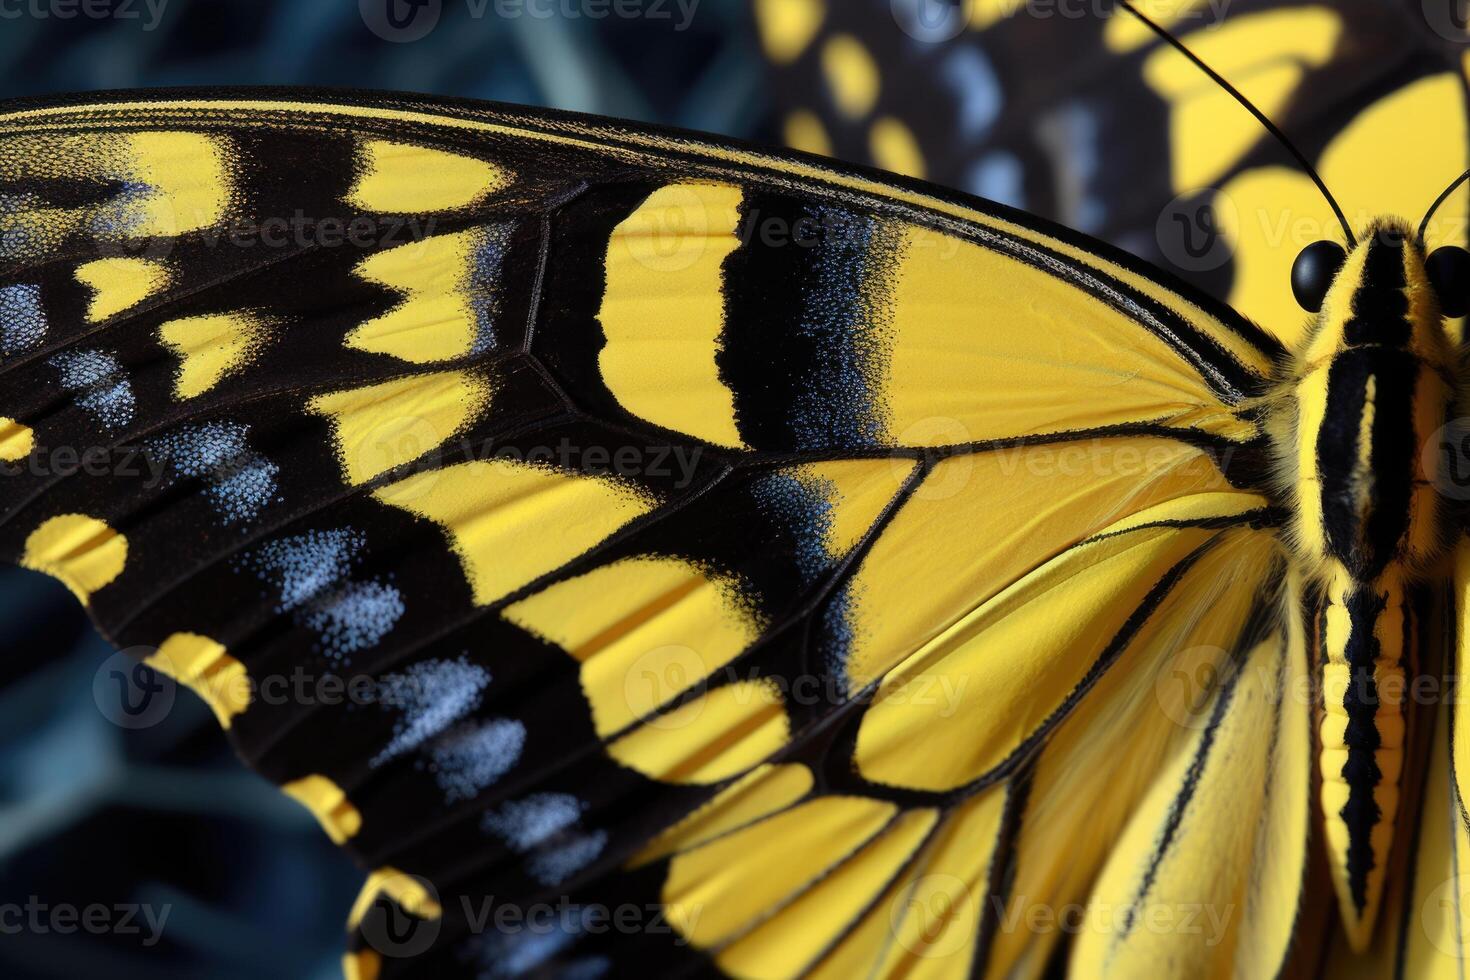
column 1449, row 273
column 1313, row 272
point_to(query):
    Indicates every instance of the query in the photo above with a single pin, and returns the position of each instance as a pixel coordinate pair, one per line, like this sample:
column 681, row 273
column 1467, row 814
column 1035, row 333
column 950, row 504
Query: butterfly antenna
column 1444, row 196
column 1235, row 93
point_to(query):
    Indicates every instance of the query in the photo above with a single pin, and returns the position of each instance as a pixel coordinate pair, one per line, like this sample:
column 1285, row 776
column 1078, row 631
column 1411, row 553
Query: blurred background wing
column 1096, row 123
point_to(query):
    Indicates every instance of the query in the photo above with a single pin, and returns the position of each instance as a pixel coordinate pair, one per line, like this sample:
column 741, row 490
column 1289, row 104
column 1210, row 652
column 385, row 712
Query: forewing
column 563, row 510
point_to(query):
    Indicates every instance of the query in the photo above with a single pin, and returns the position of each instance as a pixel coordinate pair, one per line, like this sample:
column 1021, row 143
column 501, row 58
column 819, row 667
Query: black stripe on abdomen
column 1361, row 772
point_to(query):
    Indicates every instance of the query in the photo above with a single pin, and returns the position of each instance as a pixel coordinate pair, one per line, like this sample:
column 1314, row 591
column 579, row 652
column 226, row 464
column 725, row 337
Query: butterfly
column 647, row 552
column 1096, row 122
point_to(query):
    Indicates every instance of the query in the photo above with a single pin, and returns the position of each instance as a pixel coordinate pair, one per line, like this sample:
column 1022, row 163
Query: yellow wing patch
column 449, row 304
column 647, row 629
column 120, row 284
column 173, row 183
column 956, row 356
column 938, row 920
column 804, row 131
column 964, row 701
column 630, row 623
column 663, row 310
column 784, row 944
column 383, row 426
column 329, row 804
column 1124, row 32
column 495, row 514
column 207, row 669
column 894, row 147
column 406, row 890
column 211, row 347
column 364, row 964
column 81, row 551
column 713, row 891
column 714, row 737
column 917, row 580
column 1223, row 829
column 16, row 440
column 403, row 178
column 758, row 794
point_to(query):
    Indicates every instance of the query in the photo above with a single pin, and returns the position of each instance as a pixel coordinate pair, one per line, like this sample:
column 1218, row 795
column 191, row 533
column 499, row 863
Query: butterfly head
column 1382, row 292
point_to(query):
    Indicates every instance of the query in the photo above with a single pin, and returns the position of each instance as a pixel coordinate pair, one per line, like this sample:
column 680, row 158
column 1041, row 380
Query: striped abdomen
column 1366, row 633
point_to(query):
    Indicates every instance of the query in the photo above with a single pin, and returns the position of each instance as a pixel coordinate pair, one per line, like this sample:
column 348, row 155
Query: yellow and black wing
column 641, row 550
column 1089, row 119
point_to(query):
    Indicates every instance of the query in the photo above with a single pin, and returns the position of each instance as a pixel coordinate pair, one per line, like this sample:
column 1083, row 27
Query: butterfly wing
column 585, row 518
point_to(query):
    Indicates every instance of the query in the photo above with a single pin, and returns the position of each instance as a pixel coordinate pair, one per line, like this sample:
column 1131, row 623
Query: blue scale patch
column 522, row 952
column 837, row 634
column 556, row 863
column 311, row 573
column 531, row 822
column 486, row 283
column 354, row 616
column 431, row 696
column 472, row 757
column 845, row 302
column 15, row 238
column 804, row 506
column 238, row 481
column 122, row 214
column 22, row 318
column 546, row 827
column 100, row 384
